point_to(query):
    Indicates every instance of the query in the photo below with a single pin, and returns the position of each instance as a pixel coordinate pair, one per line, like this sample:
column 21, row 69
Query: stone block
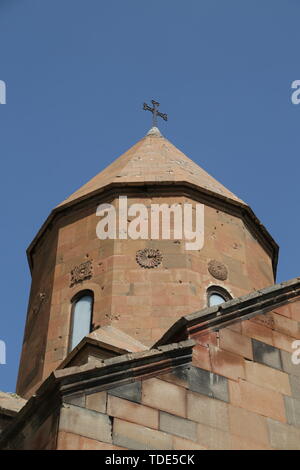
column 204, row 382
column 70, row 441
column 131, row 391
column 295, row 310
column 257, row 331
column 257, row 399
column 282, row 341
column 249, row 426
column 267, row 377
column 201, row 357
column 295, row 386
column 287, row 326
column 97, row 401
column 283, row 436
column 85, row 422
column 184, row 444
column 239, row 443
column 236, row 343
column 212, row 438
column 227, row 363
column 205, row 410
column 288, row 366
column 133, row 412
column 266, row 354
column 178, row 426
column 78, row 401
column 164, row 396
column 292, row 407
column 134, row 436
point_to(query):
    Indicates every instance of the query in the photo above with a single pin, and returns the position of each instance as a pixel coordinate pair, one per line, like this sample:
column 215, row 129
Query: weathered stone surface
column 234, row 342
column 253, row 329
column 134, row 436
column 257, row 399
column 267, row 377
column 226, row 363
column 266, row 354
column 164, row 396
column 288, row 366
column 76, row 400
column 283, row 436
column 201, row 357
column 4, row 421
column 11, row 401
column 292, row 407
column 294, row 309
column 239, row 443
column 295, row 386
column 130, row 391
column 213, row 438
column 204, row 382
column 178, row 426
column 287, row 326
column 207, row 411
column 85, row 422
column 183, row 444
column 132, row 412
column 97, row 401
column 70, row 441
column 248, row 426
column 282, row 341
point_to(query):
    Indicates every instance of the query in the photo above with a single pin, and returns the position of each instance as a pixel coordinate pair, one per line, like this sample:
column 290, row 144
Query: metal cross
column 155, row 112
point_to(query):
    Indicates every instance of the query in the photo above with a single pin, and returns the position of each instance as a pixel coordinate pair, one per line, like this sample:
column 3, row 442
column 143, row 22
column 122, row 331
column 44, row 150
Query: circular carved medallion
column 149, row 258
column 217, row 270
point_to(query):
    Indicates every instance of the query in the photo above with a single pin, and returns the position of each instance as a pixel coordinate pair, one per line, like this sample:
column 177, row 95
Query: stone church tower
column 144, row 344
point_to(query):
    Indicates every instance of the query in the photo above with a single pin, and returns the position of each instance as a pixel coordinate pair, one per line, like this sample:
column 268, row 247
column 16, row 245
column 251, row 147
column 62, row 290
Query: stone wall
column 241, row 392
column 142, row 302
column 10, row 405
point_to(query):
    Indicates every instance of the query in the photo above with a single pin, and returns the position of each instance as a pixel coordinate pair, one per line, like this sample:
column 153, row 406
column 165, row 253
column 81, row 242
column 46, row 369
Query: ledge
column 242, row 308
column 110, row 373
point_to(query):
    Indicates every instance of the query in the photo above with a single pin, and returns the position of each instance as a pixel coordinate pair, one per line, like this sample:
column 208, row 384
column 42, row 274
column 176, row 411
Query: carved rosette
column 149, row 258
column 81, row 272
column 217, row 270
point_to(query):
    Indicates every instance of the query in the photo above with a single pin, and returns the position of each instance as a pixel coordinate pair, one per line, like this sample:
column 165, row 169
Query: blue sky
column 77, row 73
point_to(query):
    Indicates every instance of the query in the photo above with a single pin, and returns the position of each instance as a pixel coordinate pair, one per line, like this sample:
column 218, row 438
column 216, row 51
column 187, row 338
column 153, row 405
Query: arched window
column 217, row 295
column 82, row 310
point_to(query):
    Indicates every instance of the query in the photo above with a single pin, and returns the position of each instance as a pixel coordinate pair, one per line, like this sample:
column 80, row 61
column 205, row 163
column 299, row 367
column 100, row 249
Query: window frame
column 74, row 301
column 217, row 290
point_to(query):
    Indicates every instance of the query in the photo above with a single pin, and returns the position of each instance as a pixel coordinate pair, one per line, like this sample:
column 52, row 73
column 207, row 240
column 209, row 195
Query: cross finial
column 155, row 112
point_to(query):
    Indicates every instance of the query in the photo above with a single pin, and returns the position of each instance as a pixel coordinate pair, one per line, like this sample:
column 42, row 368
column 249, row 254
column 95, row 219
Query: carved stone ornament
column 265, row 320
column 217, row 270
column 81, row 272
column 149, row 258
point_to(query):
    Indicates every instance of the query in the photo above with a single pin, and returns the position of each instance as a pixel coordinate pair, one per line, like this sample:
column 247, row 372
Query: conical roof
column 153, row 159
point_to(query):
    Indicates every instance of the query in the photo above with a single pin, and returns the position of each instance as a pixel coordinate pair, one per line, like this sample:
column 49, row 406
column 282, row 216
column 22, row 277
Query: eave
column 111, row 373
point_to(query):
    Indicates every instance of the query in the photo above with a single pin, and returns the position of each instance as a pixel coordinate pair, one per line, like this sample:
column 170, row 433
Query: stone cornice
column 242, row 308
column 110, row 373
